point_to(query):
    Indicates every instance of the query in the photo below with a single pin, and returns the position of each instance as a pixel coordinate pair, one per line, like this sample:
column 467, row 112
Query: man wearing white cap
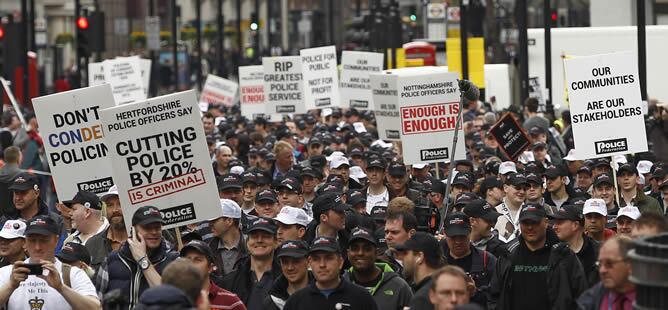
column 420, row 172
column 228, row 244
column 625, row 218
column 339, row 165
column 505, row 168
column 12, row 239
column 291, row 224
column 596, row 214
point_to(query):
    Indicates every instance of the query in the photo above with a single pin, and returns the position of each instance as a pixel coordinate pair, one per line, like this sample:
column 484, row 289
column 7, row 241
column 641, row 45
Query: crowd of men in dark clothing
column 318, row 213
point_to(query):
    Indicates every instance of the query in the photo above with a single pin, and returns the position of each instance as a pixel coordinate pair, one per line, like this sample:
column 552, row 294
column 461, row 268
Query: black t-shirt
column 368, row 285
column 529, row 279
column 465, row 262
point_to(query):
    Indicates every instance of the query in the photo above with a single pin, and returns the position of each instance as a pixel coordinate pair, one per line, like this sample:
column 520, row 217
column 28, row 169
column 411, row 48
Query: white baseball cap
column 291, row 216
column 230, row 208
column 644, row 166
column 506, row 167
column 420, row 165
column 595, row 205
column 237, row 170
column 526, row 157
column 570, row 156
column 357, row 173
column 631, row 212
column 113, row 191
column 13, row 229
column 337, row 161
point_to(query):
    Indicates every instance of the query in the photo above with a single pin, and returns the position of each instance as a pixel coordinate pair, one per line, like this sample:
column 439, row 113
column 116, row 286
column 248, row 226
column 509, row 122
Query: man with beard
column 421, row 256
column 100, row 245
column 386, row 287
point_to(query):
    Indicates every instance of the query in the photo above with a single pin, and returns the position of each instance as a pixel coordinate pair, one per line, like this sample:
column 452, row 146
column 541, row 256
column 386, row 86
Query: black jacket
column 240, row 282
column 217, row 258
column 420, row 300
column 350, row 296
column 588, row 256
column 342, row 238
column 493, row 245
column 565, row 278
column 482, row 269
column 278, row 294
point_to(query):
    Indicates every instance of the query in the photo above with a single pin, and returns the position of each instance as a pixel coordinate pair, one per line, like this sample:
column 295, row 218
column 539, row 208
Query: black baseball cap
column 463, row 179
column 422, row 242
column 73, row 252
column 331, row 187
column 375, row 162
column 146, row 215
column 334, row 178
column 249, row 177
column 229, row 181
column 378, row 213
column 24, row 181
column 532, row 212
column 293, row 248
column 315, row 140
column 489, row 183
column 457, row 224
column 659, row 173
column 555, row 171
column 464, row 198
column 198, row 246
column 324, row 244
column 603, row 178
column 479, row 208
column 569, row 212
column 359, row 233
column 538, row 145
column 310, row 171
column 291, row 184
column 466, row 162
column 516, row 179
column 438, row 187
column 536, row 130
column 263, row 224
column 355, row 196
column 663, row 185
column 85, row 198
column 266, row 195
column 42, row 225
column 397, row 168
column 584, row 169
column 627, row 168
column 534, row 178
column 356, row 151
column 328, row 201
column 601, row 162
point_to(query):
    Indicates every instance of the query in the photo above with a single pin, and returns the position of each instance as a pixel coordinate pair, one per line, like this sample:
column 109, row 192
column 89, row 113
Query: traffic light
column 358, row 34
column 90, row 34
column 2, row 32
column 83, row 36
column 554, row 18
column 254, row 25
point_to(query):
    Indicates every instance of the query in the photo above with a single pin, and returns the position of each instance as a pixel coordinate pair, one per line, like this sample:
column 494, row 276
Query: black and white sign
column 511, row 136
column 283, row 85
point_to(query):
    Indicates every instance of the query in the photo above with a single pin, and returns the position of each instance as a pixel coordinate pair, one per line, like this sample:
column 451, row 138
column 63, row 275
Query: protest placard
column 96, row 73
column 283, row 85
column 321, row 77
column 511, row 136
column 428, row 109
column 218, row 90
column 384, row 91
column 160, row 158
column 124, row 76
column 70, row 125
column 251, row 93
column 605, row 104
column 355, row 80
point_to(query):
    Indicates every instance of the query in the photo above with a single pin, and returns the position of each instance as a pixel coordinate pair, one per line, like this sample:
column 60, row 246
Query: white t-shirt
column 382, row 199
column 35, row 293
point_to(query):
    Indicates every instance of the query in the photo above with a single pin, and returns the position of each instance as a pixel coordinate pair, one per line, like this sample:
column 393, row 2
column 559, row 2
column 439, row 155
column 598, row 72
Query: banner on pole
column 76, row 151
column 605, row 104
column 283, row 85
column 355, row 81
column 321, row 77
column 160, row 158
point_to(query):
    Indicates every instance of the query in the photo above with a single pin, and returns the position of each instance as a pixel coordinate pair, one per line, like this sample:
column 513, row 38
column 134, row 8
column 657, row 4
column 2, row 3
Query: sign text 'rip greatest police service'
column 606, row 106
column 160, row 158
column 283, row 85
column 428, row 109
column 70, row 125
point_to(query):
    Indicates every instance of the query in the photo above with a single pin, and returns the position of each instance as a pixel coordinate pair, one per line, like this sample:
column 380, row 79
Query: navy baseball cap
column 293, row 248
column 146, row 215
column 24, row 181
column 42, row 225
column 457, row 224
column 263, row 224
column 266, row 195
column 359, row 233
column 73, row 252
column 532, row 212
column 324, row 244
column 86, row 199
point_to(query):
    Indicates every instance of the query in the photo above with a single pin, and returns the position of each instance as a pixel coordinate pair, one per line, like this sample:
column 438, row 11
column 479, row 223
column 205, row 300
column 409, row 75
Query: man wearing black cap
column 290, row 194
column 329, row 219
column 556, row 179
column 461, row 183
column 377, row 193
column 421, row 256
column 539, row 272
column 65, row 287
column 536, row 192
column 388, row 289
column 310, row 179
column 584, row 179
column 460, row 252
column 604, row 188
column 569, row 227
column 601, row 165
column 491, row 190
column 508, row 223
column 329, row 290
column 482, row 217
column 229, row 187
column 26, row 191
column 75, row 254
column 293, row 255
column 143, row 256
column 86, row 217
column 627, row 178
column 539, row 150
column 200, row 255
column 253, row 278
column 266, row 204
column 397, row 180
column 249, row 190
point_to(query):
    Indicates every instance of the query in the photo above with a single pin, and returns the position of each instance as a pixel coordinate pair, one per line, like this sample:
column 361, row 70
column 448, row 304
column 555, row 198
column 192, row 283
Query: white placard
column 283, row 85
column 160, row 158
column 251, row 91
column 218, row 90
column 145, row 67
column 153, row 32
column 124, row 75
column 605, row 104
column 428, row 109
column 321, row 77
column 355, row 80
column 70, row 125
column 384, row 88
column 96, row 73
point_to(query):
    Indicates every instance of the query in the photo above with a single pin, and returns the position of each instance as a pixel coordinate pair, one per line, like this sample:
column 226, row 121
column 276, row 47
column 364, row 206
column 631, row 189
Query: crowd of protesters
column 318, row 213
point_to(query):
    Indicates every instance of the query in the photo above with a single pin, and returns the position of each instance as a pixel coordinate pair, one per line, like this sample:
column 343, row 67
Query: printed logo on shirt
column 531, row 269
column 36, row 303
